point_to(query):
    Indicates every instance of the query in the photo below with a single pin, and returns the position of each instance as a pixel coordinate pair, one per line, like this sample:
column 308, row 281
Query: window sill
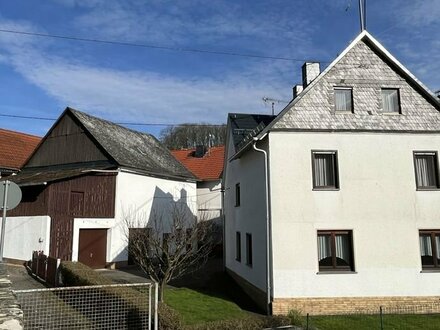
column 326, row 189
column 428, row 189
column 391, row 113
column 430, row 270
column 344, row 112
column 332, row 272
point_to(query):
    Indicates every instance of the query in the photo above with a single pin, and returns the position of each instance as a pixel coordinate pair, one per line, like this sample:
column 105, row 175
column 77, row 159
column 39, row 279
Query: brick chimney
column 296, row 90
column 310, row 70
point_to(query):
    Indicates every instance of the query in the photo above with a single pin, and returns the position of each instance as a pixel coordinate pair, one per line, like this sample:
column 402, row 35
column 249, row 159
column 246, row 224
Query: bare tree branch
column 169, row 244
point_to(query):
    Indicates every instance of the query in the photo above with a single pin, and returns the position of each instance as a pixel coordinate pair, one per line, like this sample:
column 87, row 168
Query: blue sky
column 41, row 76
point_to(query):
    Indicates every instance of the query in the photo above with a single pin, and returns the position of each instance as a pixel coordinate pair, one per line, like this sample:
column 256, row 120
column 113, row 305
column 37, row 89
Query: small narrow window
column 335, row 251
column 237, row 194
column 249, row 249
column 390, row 100
column 238, row 246
column 426, row 167
column 430, row 248
column 343, row 99
column 325, row 170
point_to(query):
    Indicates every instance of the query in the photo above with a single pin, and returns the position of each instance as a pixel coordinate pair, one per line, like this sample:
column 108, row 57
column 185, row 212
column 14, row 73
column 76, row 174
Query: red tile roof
column 208, row 167
column 15, row 148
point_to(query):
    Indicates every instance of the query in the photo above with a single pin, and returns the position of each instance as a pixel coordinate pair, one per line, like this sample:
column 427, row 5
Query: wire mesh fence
column 397, row 317
column 117, row 306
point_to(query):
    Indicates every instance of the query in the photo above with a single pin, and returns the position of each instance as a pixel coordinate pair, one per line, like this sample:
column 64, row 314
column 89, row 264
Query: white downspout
column 268, row 271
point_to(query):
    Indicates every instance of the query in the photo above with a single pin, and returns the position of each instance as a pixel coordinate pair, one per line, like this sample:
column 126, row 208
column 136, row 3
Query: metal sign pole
column 2, row 238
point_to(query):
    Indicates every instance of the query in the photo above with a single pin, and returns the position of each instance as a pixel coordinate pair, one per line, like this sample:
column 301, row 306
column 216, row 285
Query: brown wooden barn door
column 92, row 247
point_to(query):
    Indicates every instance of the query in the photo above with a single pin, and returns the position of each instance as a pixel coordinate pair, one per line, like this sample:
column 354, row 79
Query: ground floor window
column 335, row 250
column 430, row 248
column 249, row 249
column 238, row 246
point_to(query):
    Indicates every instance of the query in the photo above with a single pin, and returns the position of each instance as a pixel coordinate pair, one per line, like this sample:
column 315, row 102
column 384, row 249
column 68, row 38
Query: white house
column 206, row 163
column 84, row 181
column 333, row 204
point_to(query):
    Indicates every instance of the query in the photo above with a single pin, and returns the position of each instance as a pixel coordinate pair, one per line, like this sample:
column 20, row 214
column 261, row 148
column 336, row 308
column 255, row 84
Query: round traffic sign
column 13, row 196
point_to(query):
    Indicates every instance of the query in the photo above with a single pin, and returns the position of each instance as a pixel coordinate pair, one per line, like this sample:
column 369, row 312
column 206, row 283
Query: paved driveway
column 124, row 276
column 20, row 278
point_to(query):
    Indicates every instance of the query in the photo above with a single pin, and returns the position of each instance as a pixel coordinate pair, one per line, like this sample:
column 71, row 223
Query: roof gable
column 67, row 142
column 366, row 66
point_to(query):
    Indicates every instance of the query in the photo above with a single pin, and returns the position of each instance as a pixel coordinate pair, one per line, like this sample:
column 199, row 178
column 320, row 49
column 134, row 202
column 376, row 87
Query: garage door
column 93, row 247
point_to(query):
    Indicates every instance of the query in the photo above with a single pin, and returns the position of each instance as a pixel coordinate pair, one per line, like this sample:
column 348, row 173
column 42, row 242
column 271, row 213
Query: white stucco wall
column 377, row 200
column 249, row 217
column 209, row 200
column 26, row 234
column 135, row 196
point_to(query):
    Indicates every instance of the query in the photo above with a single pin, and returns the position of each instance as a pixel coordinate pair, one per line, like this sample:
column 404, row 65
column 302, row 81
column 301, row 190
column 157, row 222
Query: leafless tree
column 191, row 135
column 170, row 243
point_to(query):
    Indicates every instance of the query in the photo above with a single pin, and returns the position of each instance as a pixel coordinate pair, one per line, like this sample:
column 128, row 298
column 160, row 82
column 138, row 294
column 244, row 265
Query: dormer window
column 390, row 100
column 343, row 99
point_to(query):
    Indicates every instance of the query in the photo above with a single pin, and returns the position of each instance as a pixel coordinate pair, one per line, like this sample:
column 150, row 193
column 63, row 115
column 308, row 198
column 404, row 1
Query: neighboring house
column 207, row 166
column 84, row 180
column 351, row 218
column 15, row 148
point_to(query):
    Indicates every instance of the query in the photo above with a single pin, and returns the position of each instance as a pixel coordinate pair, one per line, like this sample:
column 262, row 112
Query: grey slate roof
column 366, row 67
column 245, row 125
column 132, row 149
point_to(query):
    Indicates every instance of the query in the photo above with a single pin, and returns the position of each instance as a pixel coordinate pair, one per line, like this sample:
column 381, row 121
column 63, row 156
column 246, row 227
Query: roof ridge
column 20, row 133
column 74, row 111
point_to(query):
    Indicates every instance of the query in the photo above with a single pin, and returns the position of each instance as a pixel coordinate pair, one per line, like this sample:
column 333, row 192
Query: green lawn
column 196, row 307
column 372, row 322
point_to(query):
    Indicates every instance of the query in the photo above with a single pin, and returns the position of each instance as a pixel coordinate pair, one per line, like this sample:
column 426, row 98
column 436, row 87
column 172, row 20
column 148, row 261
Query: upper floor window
column 335, row 250
column 325, row 170
column 426, row 167
column 237, row 194
column 390, row 100
column 430, row 248
column 343, row 99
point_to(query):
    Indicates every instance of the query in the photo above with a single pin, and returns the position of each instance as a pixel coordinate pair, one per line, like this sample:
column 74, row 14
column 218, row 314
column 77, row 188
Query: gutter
column 268, row 225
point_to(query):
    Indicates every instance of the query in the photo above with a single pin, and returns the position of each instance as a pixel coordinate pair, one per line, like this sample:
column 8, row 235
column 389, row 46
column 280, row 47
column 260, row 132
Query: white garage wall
column 26, row 234
column 136, row 196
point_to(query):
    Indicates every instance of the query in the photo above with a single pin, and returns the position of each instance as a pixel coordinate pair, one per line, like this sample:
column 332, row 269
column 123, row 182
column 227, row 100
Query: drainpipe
column 268, row 225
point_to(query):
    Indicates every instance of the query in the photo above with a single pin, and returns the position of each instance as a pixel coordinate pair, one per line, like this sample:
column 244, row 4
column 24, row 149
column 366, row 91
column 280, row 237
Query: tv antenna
column 268, row 100
column 363, row 14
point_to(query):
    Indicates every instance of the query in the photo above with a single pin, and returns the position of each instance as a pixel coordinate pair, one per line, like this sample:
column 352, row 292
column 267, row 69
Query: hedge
column 78, row 274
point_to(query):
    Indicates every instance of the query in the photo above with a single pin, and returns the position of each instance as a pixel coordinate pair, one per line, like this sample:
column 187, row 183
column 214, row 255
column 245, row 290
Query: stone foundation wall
column 343, row 305
column 11, row 316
